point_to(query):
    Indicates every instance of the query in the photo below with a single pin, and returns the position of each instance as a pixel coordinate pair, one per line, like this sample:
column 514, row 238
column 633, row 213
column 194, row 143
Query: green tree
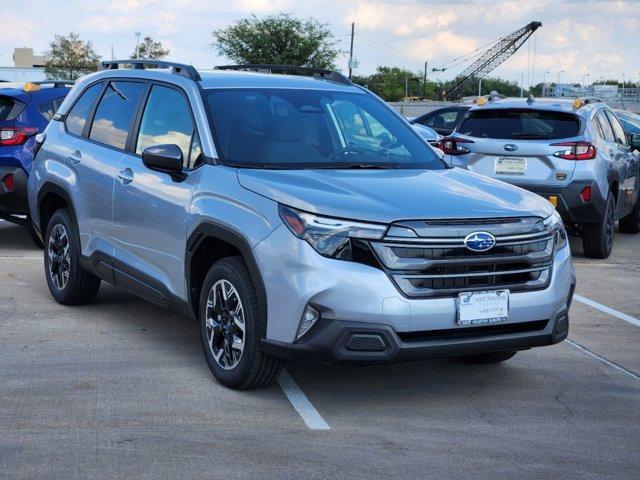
column 70, row 57
column 390, row 83
column 280, row 40
column 151, row 50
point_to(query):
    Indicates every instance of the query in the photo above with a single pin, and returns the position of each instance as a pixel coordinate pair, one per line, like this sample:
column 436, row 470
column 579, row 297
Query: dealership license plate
column 481, row 308
column 510, row 166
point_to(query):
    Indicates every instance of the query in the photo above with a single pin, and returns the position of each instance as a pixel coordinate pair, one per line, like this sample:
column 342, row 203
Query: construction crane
column 494, row 56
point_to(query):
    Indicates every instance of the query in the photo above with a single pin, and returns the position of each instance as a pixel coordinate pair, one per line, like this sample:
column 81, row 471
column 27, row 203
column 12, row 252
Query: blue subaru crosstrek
column 25, row 110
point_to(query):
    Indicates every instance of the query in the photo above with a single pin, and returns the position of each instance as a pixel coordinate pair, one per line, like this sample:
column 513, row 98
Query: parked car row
column 295, row 217
column 25, row 110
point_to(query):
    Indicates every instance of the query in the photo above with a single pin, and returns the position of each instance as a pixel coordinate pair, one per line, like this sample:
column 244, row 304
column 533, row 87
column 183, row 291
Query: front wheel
column 597, row 238
column 230, row 330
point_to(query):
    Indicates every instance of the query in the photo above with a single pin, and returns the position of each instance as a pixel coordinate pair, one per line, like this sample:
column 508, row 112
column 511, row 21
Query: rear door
column 627, row 162
column 518, row 145
column 151, row 210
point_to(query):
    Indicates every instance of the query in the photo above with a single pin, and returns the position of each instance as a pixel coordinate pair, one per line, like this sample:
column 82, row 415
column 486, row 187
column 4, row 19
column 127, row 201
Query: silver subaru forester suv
column 296, row 216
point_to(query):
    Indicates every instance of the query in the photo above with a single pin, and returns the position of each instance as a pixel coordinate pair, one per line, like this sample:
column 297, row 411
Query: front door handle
column 125, row 176
column 75, row 157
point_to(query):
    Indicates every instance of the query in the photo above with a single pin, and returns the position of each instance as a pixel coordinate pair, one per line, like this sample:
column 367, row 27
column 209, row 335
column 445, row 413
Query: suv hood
column 386, row 196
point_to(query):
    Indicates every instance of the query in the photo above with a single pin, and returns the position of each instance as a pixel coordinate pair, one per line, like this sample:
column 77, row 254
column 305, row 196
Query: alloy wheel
column 225, row 324
column 59, row 256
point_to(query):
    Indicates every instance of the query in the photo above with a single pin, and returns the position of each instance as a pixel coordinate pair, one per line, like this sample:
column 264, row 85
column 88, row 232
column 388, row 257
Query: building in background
column 27, row 67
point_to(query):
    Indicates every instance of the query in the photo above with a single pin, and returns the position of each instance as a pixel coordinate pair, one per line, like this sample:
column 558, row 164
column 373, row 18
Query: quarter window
column 167, row 120
column 78, row 115
column 605, row 126
column 115, row 113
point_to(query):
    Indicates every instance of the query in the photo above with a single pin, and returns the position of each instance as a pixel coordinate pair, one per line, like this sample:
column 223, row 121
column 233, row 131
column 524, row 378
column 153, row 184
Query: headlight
column 330, row 237
column 553, row 223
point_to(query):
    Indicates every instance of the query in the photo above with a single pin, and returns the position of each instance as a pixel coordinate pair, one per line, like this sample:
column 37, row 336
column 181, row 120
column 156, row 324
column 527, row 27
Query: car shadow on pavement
column 15, row 238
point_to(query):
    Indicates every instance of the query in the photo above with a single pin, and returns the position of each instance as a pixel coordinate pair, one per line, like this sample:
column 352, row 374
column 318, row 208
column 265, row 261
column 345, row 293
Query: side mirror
column 634, row 141
column 164, row 158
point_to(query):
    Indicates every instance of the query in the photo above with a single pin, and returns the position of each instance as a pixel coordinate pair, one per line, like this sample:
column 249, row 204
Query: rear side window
column 167, row 119
column 618, row 131
column 115, row 113
column 49, row 109
column 444, row 119
column 78, row 115
column 520, row 124
column 10, row 108
column 605, row 126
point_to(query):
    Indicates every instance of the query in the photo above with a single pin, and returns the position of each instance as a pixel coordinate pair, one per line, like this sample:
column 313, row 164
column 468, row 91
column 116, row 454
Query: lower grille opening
column 473, row 332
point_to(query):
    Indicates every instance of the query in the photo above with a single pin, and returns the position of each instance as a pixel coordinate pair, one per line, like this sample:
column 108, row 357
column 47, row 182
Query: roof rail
column 319, row 73
column 55, row 83
column 182, row 69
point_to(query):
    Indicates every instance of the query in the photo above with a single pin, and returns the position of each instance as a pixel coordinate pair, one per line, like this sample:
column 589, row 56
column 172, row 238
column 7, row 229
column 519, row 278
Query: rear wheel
column 597, row 238
column 230, row 330
column 488, row 358
column 68, row 283
column 631, row 223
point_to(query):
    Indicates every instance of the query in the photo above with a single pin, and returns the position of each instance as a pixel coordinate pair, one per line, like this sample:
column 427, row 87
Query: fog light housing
column 308, row 320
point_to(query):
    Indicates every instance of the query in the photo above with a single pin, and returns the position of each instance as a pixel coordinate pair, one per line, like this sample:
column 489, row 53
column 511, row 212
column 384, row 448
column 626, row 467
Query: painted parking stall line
column 608, row 310
column 301, row 403
column 615, row 366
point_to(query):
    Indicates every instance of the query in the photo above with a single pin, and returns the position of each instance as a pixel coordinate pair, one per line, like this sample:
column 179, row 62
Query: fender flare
column 209, row 229
column 51, row 187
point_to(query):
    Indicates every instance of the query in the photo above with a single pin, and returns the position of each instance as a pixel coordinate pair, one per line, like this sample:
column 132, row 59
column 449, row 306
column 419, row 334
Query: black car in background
column 443, row 120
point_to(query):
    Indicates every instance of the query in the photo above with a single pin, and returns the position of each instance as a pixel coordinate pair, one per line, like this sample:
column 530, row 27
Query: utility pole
column 138, row 44
column 424, row 82
column 353, row 29
column 521, row 84
column 406, row 87
column 480, row 87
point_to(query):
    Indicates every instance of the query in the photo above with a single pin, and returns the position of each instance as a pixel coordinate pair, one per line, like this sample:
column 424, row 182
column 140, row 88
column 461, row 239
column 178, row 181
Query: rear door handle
column 75, row 157
column 125, row 176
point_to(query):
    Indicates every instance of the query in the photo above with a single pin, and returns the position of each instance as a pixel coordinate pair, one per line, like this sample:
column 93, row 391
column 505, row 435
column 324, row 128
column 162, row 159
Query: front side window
column 507, row 123
column 78, row 115
column 618, row 131
column 115, row 113
column 291, row 128
column 167, row 120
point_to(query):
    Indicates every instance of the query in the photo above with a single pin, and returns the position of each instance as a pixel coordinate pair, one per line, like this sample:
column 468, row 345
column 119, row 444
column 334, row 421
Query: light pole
column 544, row 83
column 480, row 87
column 521, row 85
column 138, row 44
column 584, row 87
column 623, row 85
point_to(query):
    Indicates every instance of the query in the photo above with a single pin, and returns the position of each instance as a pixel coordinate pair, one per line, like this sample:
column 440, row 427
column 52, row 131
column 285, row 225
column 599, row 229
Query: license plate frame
column 486, row 307
column 510, row 166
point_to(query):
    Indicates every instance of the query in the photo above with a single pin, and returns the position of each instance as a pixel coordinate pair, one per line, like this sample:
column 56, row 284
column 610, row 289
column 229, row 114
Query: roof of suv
column 554, row 104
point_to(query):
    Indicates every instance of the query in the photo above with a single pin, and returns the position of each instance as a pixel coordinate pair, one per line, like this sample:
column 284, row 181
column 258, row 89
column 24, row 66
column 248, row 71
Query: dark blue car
column 25, row 110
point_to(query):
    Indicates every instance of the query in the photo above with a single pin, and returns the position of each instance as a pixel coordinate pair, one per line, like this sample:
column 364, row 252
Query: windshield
column 519, row 124
column 287, row 128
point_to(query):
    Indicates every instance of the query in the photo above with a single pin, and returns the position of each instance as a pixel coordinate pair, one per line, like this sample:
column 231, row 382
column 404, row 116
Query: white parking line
column 602, row 359
column 301, row 403
column 605, row 309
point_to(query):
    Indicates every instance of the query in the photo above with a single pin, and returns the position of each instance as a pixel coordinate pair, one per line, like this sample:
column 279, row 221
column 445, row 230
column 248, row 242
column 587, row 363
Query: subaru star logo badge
column 510, row 147
column 479, row 241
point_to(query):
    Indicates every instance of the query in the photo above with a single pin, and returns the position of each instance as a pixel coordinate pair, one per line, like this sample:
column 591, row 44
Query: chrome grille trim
column 442, row 266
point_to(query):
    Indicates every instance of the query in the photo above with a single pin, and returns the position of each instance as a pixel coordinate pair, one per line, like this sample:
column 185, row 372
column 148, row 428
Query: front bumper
column 342, row 341
column 570, row 205
column 355, row 299
column 13, row 202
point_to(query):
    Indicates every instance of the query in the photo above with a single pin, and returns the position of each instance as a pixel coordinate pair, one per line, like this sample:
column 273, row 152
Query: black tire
column 597, row 238
column 631, row 223
column 81, row 287
column 34, row 236
column 488, row 358
column 254, row 368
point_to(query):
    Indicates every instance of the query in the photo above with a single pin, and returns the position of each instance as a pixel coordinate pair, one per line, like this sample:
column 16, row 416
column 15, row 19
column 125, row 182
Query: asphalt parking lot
column 120, row 389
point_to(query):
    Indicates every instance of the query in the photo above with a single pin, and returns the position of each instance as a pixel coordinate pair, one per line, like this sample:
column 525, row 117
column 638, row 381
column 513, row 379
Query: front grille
column 473, row 332
column 443, row 266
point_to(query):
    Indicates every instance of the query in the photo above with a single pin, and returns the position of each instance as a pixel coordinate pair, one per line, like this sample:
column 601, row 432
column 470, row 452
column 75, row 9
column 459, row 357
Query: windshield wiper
column 351, row 165
column 530, row 136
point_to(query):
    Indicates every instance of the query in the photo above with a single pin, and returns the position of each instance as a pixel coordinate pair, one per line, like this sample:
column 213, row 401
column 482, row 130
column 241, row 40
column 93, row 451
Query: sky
column 599, row 38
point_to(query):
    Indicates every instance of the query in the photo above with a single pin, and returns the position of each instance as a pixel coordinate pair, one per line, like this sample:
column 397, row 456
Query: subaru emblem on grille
column 510, row 147
column 479, row 241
